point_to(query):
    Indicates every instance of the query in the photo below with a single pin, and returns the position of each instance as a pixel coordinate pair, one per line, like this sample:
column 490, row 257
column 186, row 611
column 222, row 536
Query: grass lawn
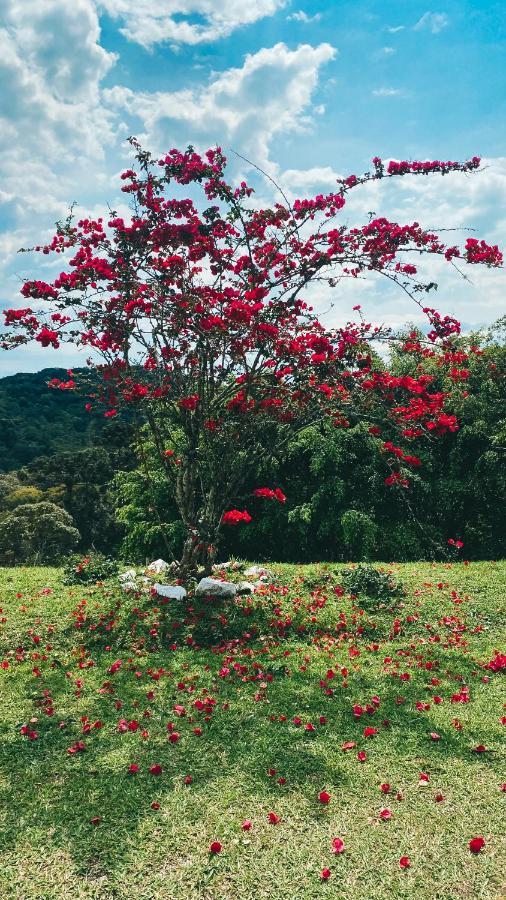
column 80, row 825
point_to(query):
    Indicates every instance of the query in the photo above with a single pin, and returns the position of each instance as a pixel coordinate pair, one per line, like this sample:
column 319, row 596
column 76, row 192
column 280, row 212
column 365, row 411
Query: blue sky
column 307, row 90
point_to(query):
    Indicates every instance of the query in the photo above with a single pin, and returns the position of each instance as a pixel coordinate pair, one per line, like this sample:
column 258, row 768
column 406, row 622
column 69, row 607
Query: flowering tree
column 198, row 320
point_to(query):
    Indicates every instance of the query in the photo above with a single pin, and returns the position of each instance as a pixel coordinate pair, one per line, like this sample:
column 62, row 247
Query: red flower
column 155, row 805
column 348, row 745
column 273, row 818
column 369, row 731
column 235, row 517
column 324, row 797
column 385, row 788
column 337, row 845
column 96, row 820
column 325, row 874
column 361, row 756
column 215, row 847
column 476, row 844
column 246, row 825
column 133, row 769
column 385, row 814
column 156, row 769
column 405, row 862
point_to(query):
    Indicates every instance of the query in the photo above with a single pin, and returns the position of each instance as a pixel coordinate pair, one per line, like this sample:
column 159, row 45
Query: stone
column 129, row 586
column 171, row 591
column 211, row 587
column 259, row 572
column 158, row 567
column 245, row 587
column 231, row 564
column 129, row 575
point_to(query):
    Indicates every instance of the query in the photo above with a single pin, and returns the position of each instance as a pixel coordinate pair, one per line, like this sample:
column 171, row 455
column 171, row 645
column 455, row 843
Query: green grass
column 50, row 849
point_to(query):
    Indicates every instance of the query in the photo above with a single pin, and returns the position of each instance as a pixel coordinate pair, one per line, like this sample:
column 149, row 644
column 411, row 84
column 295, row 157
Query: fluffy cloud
column 434, row 22
column 238, row 106
column 386, row 92
column 148, row 23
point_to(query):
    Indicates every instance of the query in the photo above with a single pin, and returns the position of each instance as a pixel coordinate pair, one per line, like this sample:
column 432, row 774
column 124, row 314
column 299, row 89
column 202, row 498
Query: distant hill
column 38, row 421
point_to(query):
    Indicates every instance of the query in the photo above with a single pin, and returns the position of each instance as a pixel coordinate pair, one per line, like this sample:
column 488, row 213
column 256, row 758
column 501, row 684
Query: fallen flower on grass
column 337, row 845
column 325, row 874
column 405, row 862
column 273, row 818
column 324, row 797
column 215, row 847
column 476, row 844
column 246, row 825
column 385, row 814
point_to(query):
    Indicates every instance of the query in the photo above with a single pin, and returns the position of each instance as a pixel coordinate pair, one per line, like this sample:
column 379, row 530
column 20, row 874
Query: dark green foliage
column 374, row 588
column 37, row 421
column 89, row 569
column 36, row 533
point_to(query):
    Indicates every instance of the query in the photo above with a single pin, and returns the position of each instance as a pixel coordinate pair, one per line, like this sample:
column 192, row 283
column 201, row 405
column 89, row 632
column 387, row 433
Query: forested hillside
column 36, row 421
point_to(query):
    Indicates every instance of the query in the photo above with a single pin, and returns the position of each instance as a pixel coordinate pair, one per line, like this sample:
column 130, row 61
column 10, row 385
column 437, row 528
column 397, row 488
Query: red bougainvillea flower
column 369, row 731
column 273, row 818
column 156, row 769
column 270, row 494
column 337, row 845
column 246, row 825
column 235, row 517
column 188, row 779
column 324, row 797
column 480, row 748
column 439, row 798
column 385, row 788
column 434, row 736
column 215, row 847
column 405, row 862
column 423, row 778
column 348, row 745
column 155, row 805
column 476, row 844
column 133, row 769
column 325, row 874
column 96, row 820
column 361, row 756
column 385, row 815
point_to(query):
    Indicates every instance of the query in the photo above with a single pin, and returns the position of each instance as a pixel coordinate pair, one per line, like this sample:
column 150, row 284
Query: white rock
column 245, row 587
column 129, row 575
column 259, row 572
column 158, row 567
column 171, row 591
column 129, row 586
column 211, row 587
column 231, row 564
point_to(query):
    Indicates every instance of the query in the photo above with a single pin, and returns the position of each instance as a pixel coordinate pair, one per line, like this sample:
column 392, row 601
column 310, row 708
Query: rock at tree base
column 158, row 567
column 128, row 576
column 171, row 591
column 211, row 587
column 246, row 587
column 259, row 572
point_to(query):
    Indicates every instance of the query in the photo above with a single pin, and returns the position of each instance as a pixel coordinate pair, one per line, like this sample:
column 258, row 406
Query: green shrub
column 89, row 569
column 373, row 587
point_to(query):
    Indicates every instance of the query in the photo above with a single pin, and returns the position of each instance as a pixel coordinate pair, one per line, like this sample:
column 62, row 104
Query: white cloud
column 386, row 92
column 148, row 23
column 301, row 16
column 395, row 28
column 307, row 179
column 238, row 106
column 434, row 22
